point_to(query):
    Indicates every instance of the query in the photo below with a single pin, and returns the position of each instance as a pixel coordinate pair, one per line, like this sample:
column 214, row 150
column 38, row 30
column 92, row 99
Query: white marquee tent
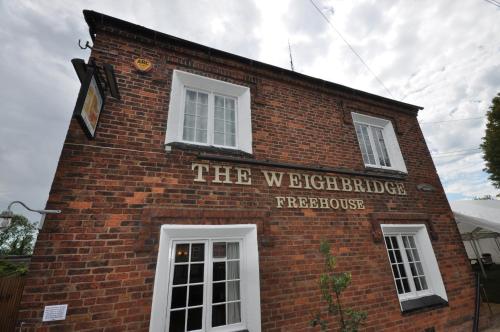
column 479, row 225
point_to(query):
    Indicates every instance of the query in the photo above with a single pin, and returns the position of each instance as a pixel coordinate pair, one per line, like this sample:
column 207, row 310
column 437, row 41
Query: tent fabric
column 478, row 213
column 482, row 218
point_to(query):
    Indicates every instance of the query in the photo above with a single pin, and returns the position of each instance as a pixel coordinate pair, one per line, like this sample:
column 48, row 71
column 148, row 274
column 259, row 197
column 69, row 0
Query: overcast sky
column 442, row 55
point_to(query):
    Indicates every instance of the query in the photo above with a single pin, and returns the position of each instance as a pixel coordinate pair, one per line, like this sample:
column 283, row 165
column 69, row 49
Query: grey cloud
column 235, row 22
column 490, row 77
column 368, row 17
column 302, row 17
column 37, row 96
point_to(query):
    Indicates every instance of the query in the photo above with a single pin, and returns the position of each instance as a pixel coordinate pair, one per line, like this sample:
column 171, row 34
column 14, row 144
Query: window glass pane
column 202, row 124
column 194, row 319
column 190, row 108
column 195, row 295
column 219, row 127
column 230, row 115
column 233, row 313
column 219, row 113
column 412, row 242
column 177, row 320
column 191, row 96
column 219, row 271
column 195, row 117
column 417, row 284
column 196, row 274
column 391, row 257
column 397, row 253
column 409, row 255
column 179, row 297
column 188, row 134
column 201, row 136
column 415, row 254
column 181, row 252
column 180, row 274
column 218, row 315
column 395, row 244
column 380, row 146
column 407, row 266
column 230, row 104
column 362, row 143
column 233, row 250
column 189, row 121
column 399, row 286
column 203, row 98
column 376, row 141
column 413, row 270
column 231, row 140
column 405, row 241
column 402, row 270
column 187, row 291
column 369, row 150
column 224, row 121
column 233, row 270
column 397, row 264
column 388, row 242
column 233, row 290
column 406, row 285
column 419, row 268
column 219, row 101
column 230, row 128
column 423, row 282
column 197, row 252
column 218, row 139
column 219, row 292
column 395, row 271
column 219, row 250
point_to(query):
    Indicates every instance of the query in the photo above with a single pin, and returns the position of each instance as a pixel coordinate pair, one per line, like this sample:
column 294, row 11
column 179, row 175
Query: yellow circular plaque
column 143, row 65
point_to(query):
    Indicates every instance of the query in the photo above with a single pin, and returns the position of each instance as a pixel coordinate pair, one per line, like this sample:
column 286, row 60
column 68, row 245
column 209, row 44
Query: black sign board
column 90, row 102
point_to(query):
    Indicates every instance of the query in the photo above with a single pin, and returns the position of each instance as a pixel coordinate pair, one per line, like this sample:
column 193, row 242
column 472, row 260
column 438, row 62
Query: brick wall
column 99, row 254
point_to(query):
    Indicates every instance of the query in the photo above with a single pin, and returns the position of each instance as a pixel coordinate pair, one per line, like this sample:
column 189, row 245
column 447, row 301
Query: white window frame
column 390, row 140
column 428, row 259
column 182, row 81
column 249, row 272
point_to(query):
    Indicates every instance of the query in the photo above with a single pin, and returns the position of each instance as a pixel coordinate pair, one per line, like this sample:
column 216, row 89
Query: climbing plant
column 332, row 285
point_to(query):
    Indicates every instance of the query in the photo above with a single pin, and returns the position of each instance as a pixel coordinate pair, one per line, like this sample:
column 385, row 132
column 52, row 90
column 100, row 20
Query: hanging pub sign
column 90, row 102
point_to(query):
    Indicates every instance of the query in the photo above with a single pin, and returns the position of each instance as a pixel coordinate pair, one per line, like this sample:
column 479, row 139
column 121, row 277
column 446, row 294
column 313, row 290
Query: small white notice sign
column 55, row 312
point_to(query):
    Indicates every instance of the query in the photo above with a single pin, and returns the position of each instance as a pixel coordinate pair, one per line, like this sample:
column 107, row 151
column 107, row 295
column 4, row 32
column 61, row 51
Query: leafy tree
column 491, row 142
column 332, row 285
column 8, row 269
column 483, row 198
column 18, row 238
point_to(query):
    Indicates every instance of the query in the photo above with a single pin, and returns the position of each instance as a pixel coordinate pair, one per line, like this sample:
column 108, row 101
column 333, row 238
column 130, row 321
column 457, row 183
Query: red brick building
column 202, row 200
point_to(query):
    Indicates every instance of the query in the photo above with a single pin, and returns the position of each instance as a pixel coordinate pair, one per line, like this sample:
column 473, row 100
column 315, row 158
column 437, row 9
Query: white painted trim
column 249, row 270
column 391, row 141
column 429, row 262
column 175, row 123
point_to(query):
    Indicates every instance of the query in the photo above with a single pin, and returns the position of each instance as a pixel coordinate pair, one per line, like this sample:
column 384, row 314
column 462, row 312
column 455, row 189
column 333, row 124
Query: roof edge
column 94, row 19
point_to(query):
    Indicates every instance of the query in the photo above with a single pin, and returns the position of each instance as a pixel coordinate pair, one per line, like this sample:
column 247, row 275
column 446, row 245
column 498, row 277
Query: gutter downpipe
column 475, row 327
column 479, row 258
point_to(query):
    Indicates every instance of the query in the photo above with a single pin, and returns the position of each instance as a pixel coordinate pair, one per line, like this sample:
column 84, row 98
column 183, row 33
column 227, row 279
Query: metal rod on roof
column 291, row 59
column 497, row 242
column 479, row 260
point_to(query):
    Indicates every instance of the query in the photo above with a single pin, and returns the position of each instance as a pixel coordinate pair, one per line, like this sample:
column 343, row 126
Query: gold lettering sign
column 292, row 180
column 143, row 65
column 301, row 202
